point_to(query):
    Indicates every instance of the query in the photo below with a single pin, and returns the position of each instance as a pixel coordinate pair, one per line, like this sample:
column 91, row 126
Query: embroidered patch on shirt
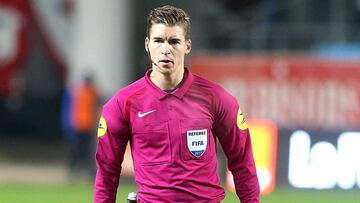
column 197, row 142
column 241, row 121
column 101, row 127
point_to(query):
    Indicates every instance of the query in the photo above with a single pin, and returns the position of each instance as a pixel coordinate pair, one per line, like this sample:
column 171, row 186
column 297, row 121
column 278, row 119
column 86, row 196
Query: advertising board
column 292, row 90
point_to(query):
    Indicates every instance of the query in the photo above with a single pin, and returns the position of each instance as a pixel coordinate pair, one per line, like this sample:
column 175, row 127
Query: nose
column 166, row 48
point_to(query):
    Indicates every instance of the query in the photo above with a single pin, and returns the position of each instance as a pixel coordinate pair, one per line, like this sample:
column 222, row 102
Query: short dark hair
column 170, row 16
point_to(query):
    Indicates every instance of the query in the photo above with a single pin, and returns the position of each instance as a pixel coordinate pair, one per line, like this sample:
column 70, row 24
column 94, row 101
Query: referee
column 172, row 119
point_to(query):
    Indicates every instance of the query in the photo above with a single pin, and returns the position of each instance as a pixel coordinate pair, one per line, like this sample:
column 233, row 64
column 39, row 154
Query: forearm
column 247, row 187
column 107, row 177
column 105, row 187
column 243, row 169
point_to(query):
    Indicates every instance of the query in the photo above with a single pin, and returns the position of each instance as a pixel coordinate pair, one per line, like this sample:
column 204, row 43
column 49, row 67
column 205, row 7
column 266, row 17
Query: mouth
column 166, row 61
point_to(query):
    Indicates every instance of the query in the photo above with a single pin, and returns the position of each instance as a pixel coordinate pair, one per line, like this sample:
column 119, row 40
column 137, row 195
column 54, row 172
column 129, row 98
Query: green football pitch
column 83, row 193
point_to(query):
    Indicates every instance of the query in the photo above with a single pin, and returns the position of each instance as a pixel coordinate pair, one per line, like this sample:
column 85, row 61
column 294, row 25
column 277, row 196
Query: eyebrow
column 157, row 38
column 174, row 39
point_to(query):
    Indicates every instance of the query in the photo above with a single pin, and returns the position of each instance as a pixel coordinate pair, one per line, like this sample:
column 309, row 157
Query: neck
column 167, row 81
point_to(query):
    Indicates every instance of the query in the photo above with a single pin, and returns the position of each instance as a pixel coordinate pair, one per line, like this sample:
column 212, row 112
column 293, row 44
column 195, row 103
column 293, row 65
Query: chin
column 165, row 68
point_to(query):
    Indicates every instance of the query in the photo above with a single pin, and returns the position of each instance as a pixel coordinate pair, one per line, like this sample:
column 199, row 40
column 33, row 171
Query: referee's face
column 167, row 47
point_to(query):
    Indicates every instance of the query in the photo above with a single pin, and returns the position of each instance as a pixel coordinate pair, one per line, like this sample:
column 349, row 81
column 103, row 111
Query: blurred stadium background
column 294, row 66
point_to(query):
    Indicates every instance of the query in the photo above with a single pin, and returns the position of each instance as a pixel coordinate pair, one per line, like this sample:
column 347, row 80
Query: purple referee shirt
column 173, row 145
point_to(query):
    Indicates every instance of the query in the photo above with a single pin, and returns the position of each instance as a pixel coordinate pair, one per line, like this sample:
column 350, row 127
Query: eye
column 158, row 40
column 174, row 41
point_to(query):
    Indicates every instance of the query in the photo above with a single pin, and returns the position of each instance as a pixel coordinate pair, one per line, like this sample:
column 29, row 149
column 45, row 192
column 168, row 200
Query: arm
column 113, row 135
column 233, row 134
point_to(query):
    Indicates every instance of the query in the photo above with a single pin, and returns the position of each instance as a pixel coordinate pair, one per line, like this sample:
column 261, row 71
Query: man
column 172, row 118
column 84, row 114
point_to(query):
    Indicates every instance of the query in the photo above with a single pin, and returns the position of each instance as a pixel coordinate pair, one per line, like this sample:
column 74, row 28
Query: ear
column 188, row 46
column 147, row 44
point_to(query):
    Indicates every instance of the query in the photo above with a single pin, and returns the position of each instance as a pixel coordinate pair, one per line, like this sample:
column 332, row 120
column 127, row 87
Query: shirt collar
column 178, row 92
